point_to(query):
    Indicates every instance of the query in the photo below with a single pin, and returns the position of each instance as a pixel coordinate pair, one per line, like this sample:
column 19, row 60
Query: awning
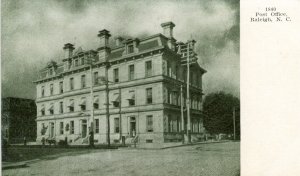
column 116, row 98
column 131, row 96
column 82, row 102
column 174, row 90
column 96, row 100
column 71, row 104
column 51, row 107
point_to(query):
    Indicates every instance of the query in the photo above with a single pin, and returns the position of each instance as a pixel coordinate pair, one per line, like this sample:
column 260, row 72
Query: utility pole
column 92, row 103
column 234, row 135
column 181, row 109
column 120, row 120
column 107, row 103
column 188, row 95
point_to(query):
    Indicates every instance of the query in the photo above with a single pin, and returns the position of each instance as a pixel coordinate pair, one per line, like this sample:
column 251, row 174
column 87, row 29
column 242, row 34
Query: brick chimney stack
column 168, row 32
column 103, row 50
column 119, row 41
column 68, row 49
column 168, row 29
column 104, row 37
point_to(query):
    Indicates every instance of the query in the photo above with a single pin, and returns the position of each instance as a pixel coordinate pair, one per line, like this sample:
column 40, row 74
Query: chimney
column 119, row 41
column 168, row 29
column 103, row 36
column 168, row 32
column 103, row 50
column 68, row 49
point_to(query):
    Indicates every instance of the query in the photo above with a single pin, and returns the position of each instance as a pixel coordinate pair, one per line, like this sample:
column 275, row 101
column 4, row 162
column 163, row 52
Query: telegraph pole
column 120, row 120
column 234, row 135
column 92, row 104
column 181, row 109
column 107, row 103
column 188, row 95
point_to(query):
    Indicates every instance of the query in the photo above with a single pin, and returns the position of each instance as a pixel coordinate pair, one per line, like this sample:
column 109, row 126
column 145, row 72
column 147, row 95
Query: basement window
column 149, row 140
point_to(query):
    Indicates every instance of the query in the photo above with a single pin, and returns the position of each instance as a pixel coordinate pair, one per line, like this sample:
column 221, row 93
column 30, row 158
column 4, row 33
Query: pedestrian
column 25, row 141
column 66, row 141
column 43, row 142
column 91, row 139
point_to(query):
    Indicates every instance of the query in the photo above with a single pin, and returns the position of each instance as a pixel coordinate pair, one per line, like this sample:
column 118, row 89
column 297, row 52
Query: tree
column 218, row 108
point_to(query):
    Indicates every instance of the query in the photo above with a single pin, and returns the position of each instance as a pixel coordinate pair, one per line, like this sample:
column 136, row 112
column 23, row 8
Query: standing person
column 91, row 139
column 25, row 141
column 43, row 142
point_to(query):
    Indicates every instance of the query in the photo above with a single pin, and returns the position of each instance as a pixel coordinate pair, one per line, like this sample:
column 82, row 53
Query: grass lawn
column 16, row 153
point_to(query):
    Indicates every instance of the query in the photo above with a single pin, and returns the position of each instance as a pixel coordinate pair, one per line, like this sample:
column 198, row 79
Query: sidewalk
column 196, row 143
column 170, row 145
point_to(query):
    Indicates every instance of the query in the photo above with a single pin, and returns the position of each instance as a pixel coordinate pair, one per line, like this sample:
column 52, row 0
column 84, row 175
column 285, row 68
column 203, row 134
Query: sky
column 34, row 32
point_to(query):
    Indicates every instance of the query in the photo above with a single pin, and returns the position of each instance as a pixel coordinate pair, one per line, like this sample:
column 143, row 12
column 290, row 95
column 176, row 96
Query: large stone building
column 18, row 119
column 145, row 76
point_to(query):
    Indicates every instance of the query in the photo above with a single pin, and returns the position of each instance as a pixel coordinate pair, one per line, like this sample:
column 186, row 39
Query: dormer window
column 76, row 62
column 51, row 71
column 70, row 64
column 130, row 49
column 131, row 46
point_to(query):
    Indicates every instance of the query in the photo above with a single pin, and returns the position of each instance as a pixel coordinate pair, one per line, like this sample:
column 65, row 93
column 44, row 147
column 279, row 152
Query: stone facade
column 144, row 77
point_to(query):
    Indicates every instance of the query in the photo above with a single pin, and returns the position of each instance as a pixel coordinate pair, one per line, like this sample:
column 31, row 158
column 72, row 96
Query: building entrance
column 83, row 128
column 51, row 130
column 132, row 127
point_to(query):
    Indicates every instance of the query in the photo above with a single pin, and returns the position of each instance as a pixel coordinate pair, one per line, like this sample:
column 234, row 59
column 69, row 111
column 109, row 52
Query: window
column 175, row 97
column 177, row 72
column 51, row 89
column 169, row 97
column 61, row 107
column 116, row 75
column 51, row 109
column 43, row 110
column 96, row 102
column 61, row 128
column 82, row 61
column 131, row 72
column 96, row 78
column 178, row 124
column 97, row 125
column 149, row 140
column 149, row 95
column 71, row 106
column 148, row 68
column 70, row 64
column 61, row 87
column 149, row 124
column 72, row 127
column 130, row 49
column 169, row 67
column 76, row 62
column 131, row 98
column 116, row 100
column 83, row 104
column 50, row 71
column 43, row 91
column 71, row 83
column 82, row 81
column 117, row 125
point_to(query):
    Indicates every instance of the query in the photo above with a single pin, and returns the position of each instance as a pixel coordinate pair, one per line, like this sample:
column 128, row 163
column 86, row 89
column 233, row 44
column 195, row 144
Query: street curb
column 198, row 143
column 175, row 146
